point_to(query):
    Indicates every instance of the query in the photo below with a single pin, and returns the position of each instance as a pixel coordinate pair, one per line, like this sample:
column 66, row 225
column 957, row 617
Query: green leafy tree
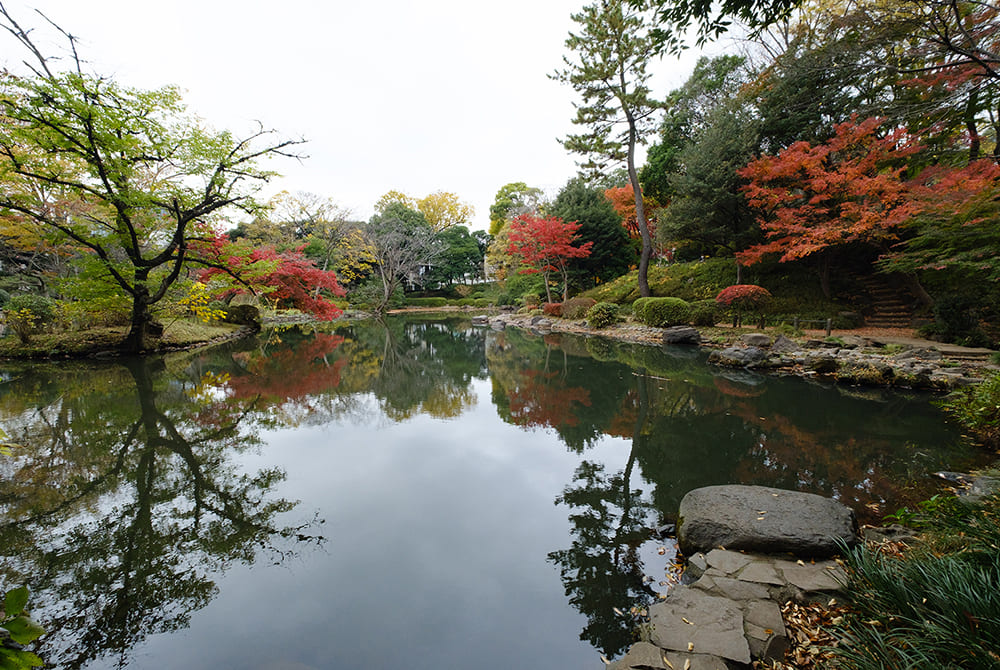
column 460, row 256
column 707, row 210
column 709, row 20
column 612, row 252
column 513, row 200
column 129, row 177
column 612, row 52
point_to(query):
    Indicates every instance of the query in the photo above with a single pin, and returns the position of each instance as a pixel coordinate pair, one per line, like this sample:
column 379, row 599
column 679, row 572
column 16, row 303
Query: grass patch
column 180, row 333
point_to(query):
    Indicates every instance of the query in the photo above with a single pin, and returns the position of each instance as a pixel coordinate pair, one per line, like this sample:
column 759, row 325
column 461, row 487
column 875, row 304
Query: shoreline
column 861, row 357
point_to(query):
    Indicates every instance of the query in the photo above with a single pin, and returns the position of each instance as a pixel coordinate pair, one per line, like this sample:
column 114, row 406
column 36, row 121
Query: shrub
column 552, row 309
column 27, row 314
column 368, row 295
column 602, row 314
column 933, row 606
column 531, row 300
column 244, row 315
column 480, row 302
column 664, row 312
column 577, row 308
column 743, row 298
column 4, row 297
column 639, row 308
column 704, row 313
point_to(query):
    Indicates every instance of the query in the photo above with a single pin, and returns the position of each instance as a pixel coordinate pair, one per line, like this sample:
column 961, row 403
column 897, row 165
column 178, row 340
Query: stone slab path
column 729, row 613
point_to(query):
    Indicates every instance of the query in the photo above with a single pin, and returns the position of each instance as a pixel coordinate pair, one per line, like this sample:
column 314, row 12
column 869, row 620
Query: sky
column 418, row 97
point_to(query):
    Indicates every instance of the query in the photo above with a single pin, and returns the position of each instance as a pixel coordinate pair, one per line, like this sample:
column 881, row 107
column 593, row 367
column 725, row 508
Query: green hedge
column 662, row 312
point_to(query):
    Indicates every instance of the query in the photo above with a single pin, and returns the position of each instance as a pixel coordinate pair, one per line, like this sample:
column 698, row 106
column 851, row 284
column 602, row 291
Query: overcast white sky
column 414, row 96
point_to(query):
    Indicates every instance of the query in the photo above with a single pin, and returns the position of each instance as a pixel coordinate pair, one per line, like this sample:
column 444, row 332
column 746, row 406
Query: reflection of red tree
column 542, row 399
column 291, row 373
column 623, row 422
column 852, row 470
column 736, row 389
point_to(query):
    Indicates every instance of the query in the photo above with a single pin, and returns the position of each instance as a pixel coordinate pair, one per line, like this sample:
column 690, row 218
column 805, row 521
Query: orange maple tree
column 545, row 245
column 622, row 198
column 854, row 188
column 850, row 188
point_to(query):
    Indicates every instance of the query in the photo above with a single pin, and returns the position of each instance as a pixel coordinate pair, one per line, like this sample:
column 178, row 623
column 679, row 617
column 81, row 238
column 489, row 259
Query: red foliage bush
column 743, row 296
column 552, row 308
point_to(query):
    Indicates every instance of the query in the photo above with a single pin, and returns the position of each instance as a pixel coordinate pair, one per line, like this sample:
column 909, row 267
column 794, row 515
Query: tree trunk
column 913, row 283
column 739, row 273
column 141, row 331
column 548, row 291
column 640, row 211
column 970, row 125
column 823, row 267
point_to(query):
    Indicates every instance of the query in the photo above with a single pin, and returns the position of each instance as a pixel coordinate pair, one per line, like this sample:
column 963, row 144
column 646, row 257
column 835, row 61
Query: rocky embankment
column 846, row 359
column 849, row 362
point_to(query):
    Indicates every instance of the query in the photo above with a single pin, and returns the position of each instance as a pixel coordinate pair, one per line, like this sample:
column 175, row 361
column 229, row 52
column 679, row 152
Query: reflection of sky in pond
column 437, row 532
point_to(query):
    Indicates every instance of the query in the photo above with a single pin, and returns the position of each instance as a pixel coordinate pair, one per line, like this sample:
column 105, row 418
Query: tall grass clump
column 977, row 409
column 935, row 606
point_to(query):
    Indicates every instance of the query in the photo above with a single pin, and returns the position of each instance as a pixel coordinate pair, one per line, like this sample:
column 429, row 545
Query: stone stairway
column 889, row 307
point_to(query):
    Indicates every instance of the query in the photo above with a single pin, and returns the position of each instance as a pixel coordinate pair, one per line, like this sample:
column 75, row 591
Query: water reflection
column 687, row 426
column 125, row 503
column 134, row 492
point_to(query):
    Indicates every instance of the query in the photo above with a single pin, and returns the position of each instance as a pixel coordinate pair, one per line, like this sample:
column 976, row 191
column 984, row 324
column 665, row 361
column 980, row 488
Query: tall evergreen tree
column 612, row 52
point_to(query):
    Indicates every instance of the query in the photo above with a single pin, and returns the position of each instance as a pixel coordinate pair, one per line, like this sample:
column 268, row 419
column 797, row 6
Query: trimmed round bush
column 665, row 312
column 602, row 315
column 577, row 308
column 639, row 308
column 552, row 309
column 704, row 313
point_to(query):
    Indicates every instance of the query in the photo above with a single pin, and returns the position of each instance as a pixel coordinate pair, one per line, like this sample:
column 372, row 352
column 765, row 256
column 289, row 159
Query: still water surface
column 422, row 494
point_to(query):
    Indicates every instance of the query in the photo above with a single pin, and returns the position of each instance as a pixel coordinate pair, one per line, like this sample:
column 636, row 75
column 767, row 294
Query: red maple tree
column 848, row 189
column 287, row 277
column 743, row 297
column 545, row 244
column 853, row 188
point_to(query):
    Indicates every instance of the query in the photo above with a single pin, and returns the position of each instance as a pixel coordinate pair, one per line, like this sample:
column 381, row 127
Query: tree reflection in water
column 130, row 497
column 126, row 500
column 689, row 425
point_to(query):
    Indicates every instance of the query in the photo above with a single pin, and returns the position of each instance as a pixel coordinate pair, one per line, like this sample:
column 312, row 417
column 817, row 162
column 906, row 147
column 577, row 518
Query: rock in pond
column 765, row 520
column 681, row 335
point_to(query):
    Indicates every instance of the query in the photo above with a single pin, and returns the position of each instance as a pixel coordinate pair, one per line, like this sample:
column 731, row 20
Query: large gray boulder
column 738, row 357
column 764, row 520
column 681, row 335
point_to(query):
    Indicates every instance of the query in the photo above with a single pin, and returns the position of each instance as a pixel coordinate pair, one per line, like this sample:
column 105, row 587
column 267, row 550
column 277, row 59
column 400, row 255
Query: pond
column 420, row 494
